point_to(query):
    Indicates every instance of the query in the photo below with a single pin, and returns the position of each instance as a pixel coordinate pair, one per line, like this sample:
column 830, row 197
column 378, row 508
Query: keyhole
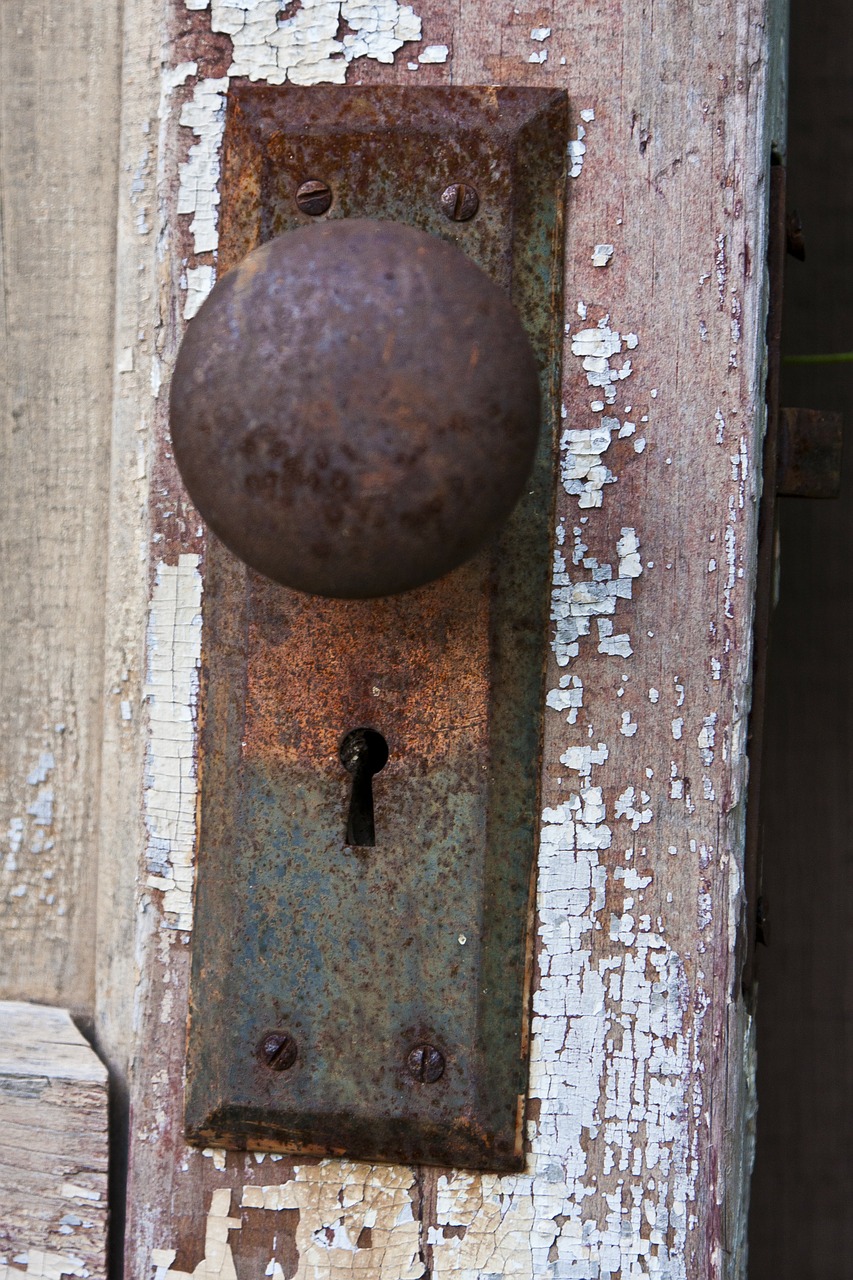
column 363, row 753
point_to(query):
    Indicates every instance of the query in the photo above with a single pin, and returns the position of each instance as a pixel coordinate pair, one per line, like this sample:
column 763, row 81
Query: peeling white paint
column 626, row 807
column 337, row 1200
column 611, row 1061
column 171, row 689
column 707, row 738
column 568, row 697
column 198, row 191
column 577, row 146
column 601, row 255
column 199, row 282
column 305, row 49
column 596, row 348
column 628, row 726
column 302, row 49
column 575, row 601
column 218, row 1260
column 434, row 53
column 40, row 1264
column 577, row 151
column 581, row 468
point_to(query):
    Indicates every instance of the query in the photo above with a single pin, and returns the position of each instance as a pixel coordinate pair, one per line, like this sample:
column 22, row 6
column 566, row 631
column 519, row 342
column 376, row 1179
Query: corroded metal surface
column 355, row 409
column 417, row 950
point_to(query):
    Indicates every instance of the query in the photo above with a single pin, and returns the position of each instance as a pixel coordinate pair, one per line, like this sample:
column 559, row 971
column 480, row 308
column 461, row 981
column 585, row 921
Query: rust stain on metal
column 316, row 667
column 364, row 954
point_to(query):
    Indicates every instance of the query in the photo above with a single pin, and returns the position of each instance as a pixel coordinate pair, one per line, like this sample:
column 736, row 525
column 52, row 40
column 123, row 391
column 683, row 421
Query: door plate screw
column 314, row 197
column 425, row 1063
column 460, row 201
column 278, row 1050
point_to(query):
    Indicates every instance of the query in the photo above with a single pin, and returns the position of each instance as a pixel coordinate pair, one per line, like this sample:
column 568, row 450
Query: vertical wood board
column 59, row 73
column 639, row 1088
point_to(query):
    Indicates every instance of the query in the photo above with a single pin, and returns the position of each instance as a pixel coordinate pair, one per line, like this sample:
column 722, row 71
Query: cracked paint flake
column 611, row 1055
column 199, row 282
column 596, row 348
column 582, row 471
column 434, row 53
column 198, row 190
column 218, row 1260
column 40, row 1264
column 575, row 601
column 577, row 146
column 305, row 48
column 171, row 690
column 337, row 1202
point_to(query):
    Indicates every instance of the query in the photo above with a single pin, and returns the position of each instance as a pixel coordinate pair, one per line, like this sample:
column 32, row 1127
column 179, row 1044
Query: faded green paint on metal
column 360, row 954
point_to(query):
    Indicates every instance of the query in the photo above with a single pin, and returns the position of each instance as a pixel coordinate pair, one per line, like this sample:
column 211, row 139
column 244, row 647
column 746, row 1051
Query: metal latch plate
column 360, row 955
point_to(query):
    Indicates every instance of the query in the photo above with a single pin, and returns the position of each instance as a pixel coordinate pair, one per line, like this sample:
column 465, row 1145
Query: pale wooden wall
column 59, row 83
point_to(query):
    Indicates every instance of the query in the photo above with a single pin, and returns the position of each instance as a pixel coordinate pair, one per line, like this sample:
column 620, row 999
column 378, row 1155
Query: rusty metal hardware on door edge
column 370, row 753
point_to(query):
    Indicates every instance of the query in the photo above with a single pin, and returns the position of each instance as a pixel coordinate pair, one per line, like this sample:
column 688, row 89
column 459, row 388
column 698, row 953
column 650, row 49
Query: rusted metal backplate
column 356, row 957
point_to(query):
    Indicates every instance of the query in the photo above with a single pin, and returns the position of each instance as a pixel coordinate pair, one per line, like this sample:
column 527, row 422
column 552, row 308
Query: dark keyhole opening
column 363, row 753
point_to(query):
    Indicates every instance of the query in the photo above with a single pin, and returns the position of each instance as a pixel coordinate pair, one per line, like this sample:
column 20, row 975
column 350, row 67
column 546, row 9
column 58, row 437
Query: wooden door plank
column 53, row 1147
column 639, row 1147
column 59, row 80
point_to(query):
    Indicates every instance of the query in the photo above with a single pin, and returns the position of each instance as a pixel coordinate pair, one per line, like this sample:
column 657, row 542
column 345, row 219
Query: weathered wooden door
column 640, row 1101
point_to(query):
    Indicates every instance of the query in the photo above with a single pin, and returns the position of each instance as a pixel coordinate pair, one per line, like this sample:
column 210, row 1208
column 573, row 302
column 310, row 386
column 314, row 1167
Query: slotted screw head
column 278, row 1050
column 314, row 197
column 426, row 1063
column 460, row 201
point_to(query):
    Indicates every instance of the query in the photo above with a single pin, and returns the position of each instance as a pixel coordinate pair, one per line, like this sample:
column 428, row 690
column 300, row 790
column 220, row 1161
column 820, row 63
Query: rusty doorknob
column 355, row 408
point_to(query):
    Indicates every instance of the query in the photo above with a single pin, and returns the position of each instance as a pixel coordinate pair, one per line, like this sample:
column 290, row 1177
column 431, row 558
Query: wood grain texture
column 640, row 1101
column 58, row 123
column 53, row 1147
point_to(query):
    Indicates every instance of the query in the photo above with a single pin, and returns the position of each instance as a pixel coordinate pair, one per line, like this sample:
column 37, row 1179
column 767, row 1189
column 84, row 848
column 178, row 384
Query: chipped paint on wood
column 218, row 1260
column 198, row 192
column 340, row 1203
column 42, row 1265
column 171, row 690
column 636, row 1162
column 305, row 48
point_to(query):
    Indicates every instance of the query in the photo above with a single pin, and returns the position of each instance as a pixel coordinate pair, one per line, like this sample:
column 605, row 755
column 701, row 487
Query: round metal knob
column 355, row 408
